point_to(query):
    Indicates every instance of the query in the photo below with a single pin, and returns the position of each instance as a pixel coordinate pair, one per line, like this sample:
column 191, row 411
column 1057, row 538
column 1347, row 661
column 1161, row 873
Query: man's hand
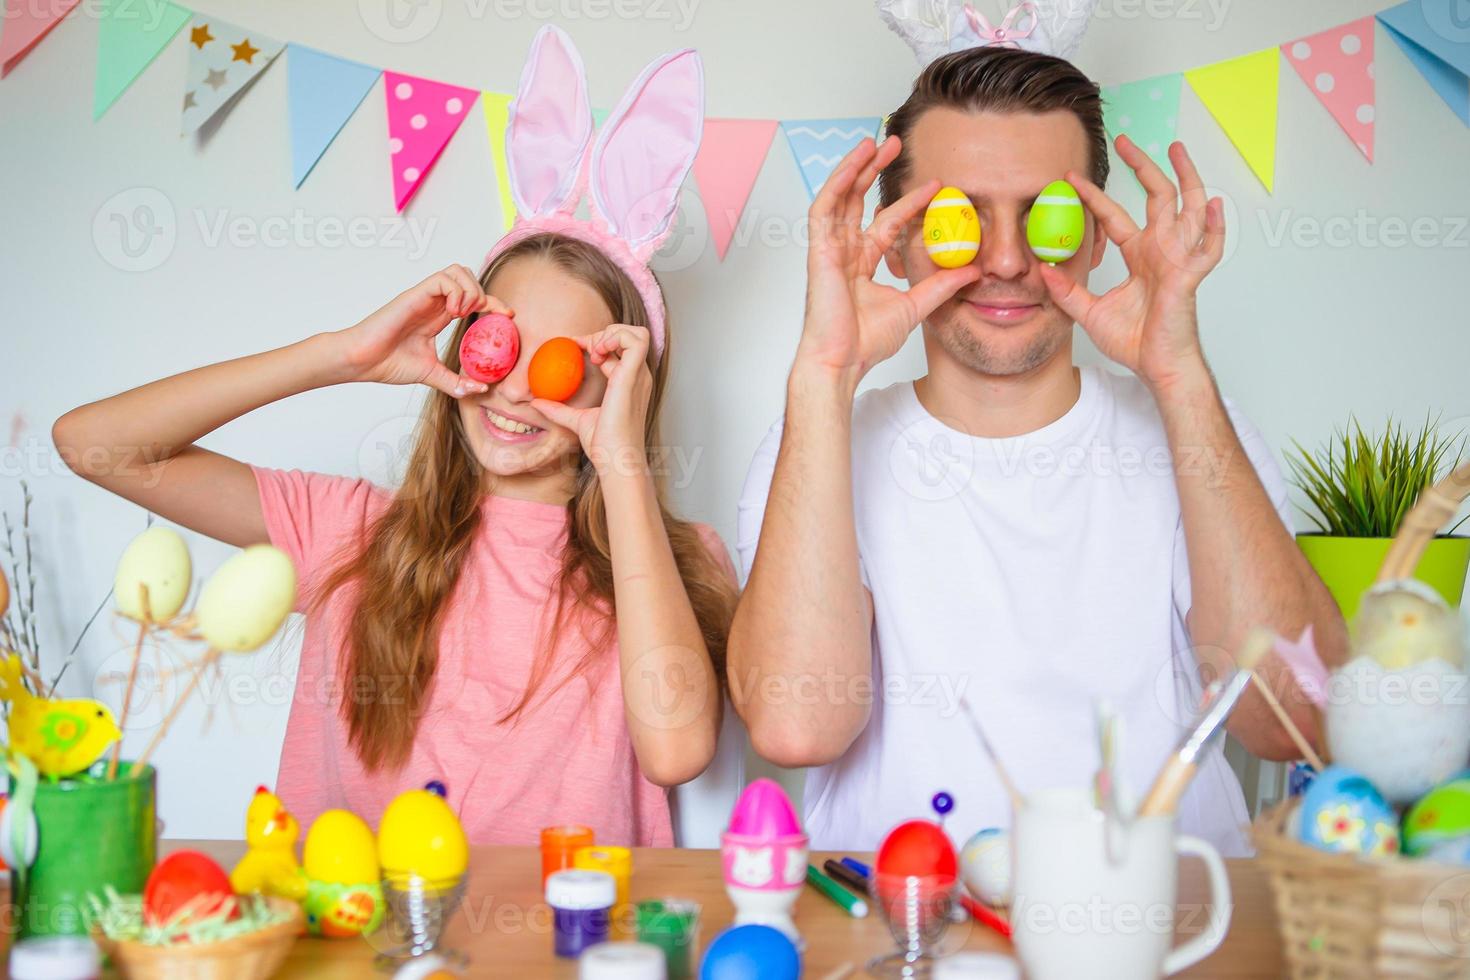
column 1148, row 323
column 853, row 323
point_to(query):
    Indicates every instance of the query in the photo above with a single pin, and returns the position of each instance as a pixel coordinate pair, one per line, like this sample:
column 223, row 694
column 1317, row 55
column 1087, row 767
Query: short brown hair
column 993, row 79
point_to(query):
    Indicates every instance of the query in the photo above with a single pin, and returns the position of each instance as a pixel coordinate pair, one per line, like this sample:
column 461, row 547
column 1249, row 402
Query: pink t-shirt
column 567, row 759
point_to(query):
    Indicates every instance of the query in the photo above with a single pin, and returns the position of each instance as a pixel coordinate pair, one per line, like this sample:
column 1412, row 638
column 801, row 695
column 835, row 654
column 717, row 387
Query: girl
column 522, row 618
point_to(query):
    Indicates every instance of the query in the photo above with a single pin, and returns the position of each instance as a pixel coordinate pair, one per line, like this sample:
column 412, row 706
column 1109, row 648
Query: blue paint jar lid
column 579, row 889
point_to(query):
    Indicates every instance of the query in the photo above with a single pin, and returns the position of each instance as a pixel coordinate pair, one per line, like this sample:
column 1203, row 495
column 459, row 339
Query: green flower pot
column 91, row 834
column 1349, row 566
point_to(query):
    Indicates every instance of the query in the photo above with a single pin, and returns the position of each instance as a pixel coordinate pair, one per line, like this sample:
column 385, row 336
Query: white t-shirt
column 1029, row 576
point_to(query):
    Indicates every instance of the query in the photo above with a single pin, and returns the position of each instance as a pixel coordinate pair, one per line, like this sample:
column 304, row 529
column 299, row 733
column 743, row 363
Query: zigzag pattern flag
column 819, row 144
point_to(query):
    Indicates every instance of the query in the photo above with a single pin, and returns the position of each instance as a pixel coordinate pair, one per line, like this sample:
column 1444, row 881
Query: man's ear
column 893, row 257
column 1099, row 242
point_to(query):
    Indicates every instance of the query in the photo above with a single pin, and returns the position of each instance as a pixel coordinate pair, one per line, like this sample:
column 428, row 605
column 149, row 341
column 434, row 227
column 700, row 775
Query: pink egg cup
column 763, row 877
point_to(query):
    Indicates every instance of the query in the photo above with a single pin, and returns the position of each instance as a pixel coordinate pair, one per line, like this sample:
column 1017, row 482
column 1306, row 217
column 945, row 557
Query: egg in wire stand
column 344, row 895
column 269, row 865
column 62, row 736
column 425, row 856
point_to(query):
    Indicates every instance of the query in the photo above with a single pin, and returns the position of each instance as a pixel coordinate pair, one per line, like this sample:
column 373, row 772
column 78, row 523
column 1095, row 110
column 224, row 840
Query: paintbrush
column 1180, row 768
column 1005, row 778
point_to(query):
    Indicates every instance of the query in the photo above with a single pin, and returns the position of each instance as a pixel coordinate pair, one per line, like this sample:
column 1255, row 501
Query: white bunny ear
column 550, row 127
column 1062, row 24
column 927, row 26
column 646, row 149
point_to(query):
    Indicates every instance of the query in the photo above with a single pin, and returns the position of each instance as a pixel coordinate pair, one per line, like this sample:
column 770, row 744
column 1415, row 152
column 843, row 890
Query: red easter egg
column 490, row 348
column 179, row 879
column 917, row 847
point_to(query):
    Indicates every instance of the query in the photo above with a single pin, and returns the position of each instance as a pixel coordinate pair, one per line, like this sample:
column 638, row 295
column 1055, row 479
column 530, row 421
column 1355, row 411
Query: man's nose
column 1004, row 253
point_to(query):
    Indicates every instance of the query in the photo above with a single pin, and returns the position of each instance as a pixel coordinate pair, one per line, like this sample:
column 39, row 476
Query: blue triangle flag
column 1437, row 41
column 323, row 91
column 819, row 144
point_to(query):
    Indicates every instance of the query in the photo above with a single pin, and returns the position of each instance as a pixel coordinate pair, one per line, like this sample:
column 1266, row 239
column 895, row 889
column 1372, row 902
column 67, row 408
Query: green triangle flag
column 1241, row 94
column 129, row 36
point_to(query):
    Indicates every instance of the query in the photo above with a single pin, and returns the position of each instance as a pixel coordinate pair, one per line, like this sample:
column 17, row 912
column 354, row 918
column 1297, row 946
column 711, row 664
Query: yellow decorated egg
column 1057, row 223
column 420, row 835
column 340, row 850
column 951, row 229
column 157, row 560
column 246, row 601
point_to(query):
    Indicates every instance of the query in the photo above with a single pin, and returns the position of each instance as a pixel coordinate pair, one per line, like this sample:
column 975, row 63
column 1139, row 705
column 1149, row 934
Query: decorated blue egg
column 1442, row 816
column 1344, row 813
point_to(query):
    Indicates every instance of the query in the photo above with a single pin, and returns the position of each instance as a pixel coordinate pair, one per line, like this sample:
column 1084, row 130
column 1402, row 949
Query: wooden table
column 504, row 926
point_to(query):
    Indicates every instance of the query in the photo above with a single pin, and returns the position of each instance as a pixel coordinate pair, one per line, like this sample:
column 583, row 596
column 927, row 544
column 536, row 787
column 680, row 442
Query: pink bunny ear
column 550, row 127
column 646, row 149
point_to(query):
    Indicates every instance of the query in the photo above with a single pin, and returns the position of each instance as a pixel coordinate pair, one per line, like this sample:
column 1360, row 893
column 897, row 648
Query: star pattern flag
column 223, row 59
column 422, row 116
column 1337, row 65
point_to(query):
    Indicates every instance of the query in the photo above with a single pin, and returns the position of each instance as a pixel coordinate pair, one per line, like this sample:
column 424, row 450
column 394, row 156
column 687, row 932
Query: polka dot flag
column 422, row 116
column 1337, row 66
column 1147, row 112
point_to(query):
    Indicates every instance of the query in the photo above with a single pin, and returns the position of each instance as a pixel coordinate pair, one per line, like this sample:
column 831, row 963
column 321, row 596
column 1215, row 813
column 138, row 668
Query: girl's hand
column 612, row 433
column 395, row 345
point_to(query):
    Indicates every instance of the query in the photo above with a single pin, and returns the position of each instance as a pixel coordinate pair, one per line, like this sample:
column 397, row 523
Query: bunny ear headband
column 937, row 27
column 633, row 171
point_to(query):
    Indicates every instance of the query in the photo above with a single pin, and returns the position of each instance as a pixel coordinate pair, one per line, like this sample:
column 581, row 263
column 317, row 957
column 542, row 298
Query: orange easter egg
column 555, row 372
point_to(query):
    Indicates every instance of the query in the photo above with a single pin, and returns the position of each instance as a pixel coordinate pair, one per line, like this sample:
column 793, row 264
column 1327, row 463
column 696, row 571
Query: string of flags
column 324, row 91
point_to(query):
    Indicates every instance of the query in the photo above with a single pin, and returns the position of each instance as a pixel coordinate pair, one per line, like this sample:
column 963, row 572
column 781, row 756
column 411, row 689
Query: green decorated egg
column 1057, row 223
column 1442, row 814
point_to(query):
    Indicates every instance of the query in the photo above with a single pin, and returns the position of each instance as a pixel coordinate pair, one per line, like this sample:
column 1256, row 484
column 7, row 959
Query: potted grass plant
column 1361, row 486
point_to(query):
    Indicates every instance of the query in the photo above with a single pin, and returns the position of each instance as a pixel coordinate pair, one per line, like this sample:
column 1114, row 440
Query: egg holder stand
column 419, row 909
column 1350, row 917
column 918, row 910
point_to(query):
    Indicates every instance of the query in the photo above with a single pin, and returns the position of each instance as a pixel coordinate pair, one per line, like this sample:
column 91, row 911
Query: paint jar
column 616, row 861
column 622, row 961
column 581, row 909
column 671, row 924
column 559, row 845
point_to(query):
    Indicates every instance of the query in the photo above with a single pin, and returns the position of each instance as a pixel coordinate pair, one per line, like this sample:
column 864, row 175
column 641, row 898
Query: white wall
column 1300, row 335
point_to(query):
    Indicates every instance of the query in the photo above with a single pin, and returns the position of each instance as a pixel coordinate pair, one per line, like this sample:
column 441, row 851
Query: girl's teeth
column 501, row 422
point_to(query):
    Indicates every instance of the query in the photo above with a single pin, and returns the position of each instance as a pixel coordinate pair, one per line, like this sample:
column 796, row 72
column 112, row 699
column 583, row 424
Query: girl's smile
column 508, row 428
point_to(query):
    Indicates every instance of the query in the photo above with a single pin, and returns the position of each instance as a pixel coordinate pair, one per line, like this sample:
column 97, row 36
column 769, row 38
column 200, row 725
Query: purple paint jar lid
column 578, row 889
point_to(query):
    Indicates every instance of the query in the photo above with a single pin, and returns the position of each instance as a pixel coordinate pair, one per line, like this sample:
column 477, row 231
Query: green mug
column 92, row 834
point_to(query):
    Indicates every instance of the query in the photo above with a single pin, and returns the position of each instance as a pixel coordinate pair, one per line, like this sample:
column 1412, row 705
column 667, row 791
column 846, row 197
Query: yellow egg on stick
column 951, row 229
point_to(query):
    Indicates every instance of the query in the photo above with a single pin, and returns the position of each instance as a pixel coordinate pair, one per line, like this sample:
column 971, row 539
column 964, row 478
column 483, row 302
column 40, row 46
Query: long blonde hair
column 407, row 571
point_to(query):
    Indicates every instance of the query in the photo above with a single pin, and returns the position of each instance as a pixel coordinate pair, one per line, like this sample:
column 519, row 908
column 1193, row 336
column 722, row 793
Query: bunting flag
column 129, row 37
column 322, row 93
column 1147, row 112
column 497, row 117
column 729, row 159
column 422, row 116
column 599, row 116
column 1337, row 65
column 818, row 145
column 26, row 22
column 1242, row 95
column 223, row 59
column 1437, row 41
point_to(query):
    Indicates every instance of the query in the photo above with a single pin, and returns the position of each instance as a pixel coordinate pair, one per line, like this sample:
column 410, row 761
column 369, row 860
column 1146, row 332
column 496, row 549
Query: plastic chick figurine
column 269, row 865
column 61, row 736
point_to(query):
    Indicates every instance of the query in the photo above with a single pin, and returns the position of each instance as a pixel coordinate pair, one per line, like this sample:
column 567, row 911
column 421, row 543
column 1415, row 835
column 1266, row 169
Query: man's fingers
column 886, row 153
column 1162, row 195
column 1071, row 297
column 1189, row 179
column 1116, row 222
column 892, row 220
column 828, row 203
column 930, row 292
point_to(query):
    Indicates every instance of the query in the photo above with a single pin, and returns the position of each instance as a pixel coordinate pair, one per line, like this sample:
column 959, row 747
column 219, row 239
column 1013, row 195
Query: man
column 1009, row 536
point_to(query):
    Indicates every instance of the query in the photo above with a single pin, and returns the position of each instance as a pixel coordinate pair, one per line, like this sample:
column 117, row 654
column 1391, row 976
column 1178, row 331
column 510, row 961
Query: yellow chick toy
column 61, row 736
column 1399, row 627
column 269, row 865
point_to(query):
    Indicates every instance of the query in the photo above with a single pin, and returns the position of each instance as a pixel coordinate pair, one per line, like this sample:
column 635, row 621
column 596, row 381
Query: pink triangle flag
column 730, row 157
column 26, row 22
column 422, row 116
column 1337, row 65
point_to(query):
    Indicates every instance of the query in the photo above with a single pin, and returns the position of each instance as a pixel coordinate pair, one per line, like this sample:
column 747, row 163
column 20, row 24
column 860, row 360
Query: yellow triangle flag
column 497, row 117
column 1241, row 94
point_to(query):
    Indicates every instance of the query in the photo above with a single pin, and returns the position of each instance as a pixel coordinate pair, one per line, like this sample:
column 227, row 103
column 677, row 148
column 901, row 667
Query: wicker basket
column 1343, row 916
column 254, row 956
